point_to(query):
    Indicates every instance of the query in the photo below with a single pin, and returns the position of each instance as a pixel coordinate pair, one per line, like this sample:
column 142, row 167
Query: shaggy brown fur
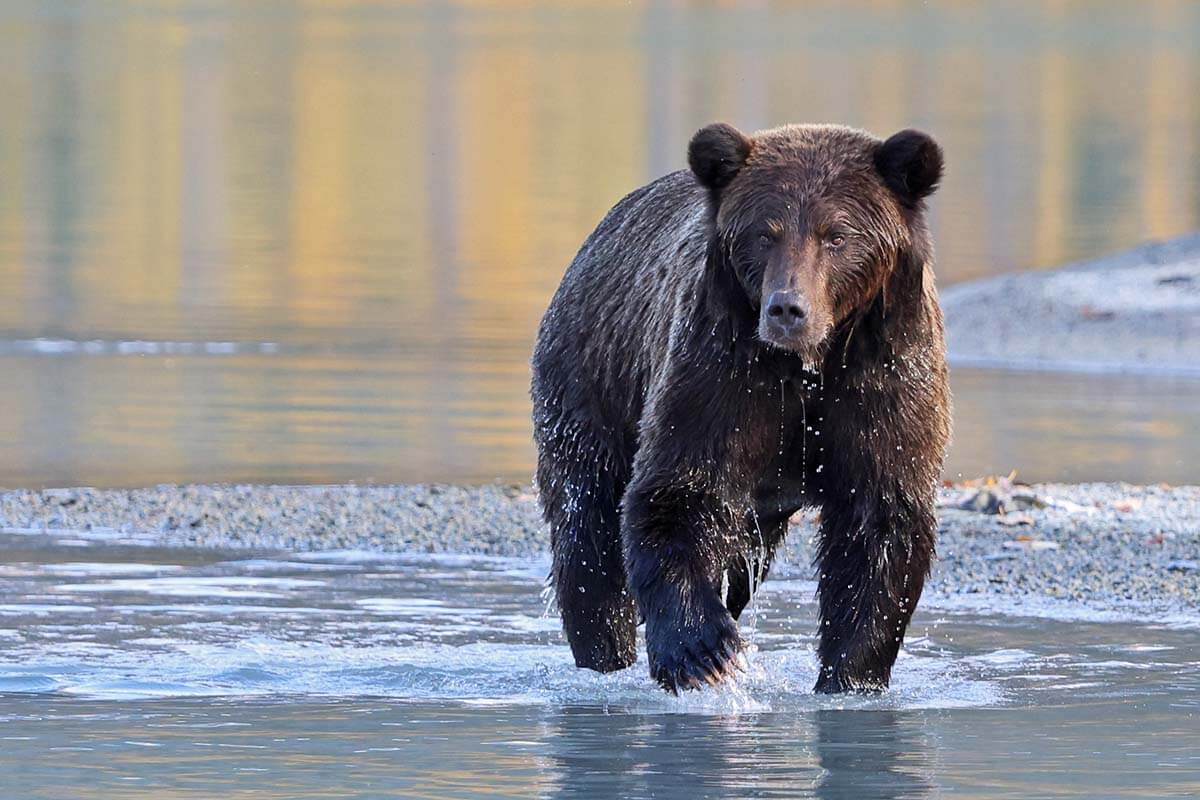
column 731, row 344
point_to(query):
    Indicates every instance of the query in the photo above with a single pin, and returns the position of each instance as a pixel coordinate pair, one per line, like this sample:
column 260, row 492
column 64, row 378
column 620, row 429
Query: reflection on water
column 385, row 195
column 318, row 417
column 1075, row 427
column 872, row 755
column 129, row 670
column 830, row 754
column 374, row 747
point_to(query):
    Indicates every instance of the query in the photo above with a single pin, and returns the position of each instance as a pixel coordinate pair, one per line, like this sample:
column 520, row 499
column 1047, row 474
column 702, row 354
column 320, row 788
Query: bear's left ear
column 911, row 165
column 716, row 154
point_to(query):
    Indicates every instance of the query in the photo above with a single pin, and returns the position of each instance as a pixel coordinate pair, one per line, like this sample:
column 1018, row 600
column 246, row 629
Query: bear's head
column 811, row 221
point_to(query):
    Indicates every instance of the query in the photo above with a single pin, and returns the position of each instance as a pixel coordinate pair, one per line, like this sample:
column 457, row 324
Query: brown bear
column 733, row 343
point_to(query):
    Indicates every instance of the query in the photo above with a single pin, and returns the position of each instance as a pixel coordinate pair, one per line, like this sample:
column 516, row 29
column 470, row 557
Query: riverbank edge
column 1100, row 546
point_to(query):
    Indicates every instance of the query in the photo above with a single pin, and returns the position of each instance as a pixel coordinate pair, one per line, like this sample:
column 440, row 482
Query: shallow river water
column 131, row 670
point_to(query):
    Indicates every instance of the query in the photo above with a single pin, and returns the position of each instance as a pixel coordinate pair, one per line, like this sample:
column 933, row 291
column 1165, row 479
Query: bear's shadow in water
column 830, row 754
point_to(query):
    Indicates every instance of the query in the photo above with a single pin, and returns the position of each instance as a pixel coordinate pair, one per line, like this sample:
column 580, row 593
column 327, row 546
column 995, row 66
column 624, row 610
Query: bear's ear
column 716, row 153
column 911, row 165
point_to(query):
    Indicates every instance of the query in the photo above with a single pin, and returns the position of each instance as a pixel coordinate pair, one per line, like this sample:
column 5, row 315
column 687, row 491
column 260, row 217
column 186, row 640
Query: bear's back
column 608, row 324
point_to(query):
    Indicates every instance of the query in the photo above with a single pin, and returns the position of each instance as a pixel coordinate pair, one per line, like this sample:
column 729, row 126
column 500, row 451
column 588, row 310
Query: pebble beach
column 1104, row 546
column 1136, row 312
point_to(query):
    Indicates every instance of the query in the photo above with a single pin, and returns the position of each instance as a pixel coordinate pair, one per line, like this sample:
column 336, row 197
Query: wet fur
column 672, row 442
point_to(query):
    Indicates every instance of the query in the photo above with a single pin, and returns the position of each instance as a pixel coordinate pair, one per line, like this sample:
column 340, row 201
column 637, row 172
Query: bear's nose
column 786, row 308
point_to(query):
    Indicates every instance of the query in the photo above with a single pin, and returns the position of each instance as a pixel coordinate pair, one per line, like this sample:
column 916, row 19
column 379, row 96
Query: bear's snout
column 784, row 317
column 787, row 309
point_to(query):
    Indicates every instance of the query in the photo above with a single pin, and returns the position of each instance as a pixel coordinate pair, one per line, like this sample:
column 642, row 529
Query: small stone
column 1030, row 544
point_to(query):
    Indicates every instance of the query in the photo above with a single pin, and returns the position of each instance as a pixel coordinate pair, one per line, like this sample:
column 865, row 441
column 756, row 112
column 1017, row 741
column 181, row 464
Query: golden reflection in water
column 389, row 193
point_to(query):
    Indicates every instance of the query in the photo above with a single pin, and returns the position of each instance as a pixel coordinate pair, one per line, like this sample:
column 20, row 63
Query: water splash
column 459, row 629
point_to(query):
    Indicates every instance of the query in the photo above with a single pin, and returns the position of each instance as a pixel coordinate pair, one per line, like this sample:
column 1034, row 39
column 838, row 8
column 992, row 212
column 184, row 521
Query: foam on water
column 84, row 569
column 478, row 671
column 224, row 586
column 20, row 609
column 1063, row 610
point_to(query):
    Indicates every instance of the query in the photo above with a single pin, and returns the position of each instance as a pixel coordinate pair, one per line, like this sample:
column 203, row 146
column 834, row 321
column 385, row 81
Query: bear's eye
column 836, row 240
column 764, row 241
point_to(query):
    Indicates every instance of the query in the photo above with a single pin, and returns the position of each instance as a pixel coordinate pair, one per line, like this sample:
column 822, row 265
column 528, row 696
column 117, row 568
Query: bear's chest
column 794, row 436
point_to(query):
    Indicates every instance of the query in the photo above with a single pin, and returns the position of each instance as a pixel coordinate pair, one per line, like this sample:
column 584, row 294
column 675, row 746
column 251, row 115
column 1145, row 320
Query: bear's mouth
column 771, row 333
column 802, row 343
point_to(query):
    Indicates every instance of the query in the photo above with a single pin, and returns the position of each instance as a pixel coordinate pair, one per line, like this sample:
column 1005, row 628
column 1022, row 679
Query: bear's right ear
column 911, row 165
column 716, row 153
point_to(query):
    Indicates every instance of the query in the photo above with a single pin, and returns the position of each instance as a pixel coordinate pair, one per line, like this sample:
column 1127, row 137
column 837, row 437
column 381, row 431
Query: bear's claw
column 705, row 655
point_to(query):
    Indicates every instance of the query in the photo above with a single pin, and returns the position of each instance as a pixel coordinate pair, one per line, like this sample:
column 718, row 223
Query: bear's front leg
column 677, row 543
column 873, row 556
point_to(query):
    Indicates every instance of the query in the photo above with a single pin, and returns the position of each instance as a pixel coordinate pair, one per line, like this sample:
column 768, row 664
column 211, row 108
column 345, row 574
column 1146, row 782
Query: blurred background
column 311, row 241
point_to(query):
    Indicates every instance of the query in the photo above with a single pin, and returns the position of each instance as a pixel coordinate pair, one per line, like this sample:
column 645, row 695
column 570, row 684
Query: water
column 130, row 670
column 328, row 228
column 310, row 242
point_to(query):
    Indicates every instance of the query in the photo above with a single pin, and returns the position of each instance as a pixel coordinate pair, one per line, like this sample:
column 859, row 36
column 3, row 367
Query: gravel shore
column 1102, row 545
column 1134, row 312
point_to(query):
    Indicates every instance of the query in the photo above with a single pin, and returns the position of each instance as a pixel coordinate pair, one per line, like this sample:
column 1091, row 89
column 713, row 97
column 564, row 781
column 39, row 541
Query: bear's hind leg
column 598, row 613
